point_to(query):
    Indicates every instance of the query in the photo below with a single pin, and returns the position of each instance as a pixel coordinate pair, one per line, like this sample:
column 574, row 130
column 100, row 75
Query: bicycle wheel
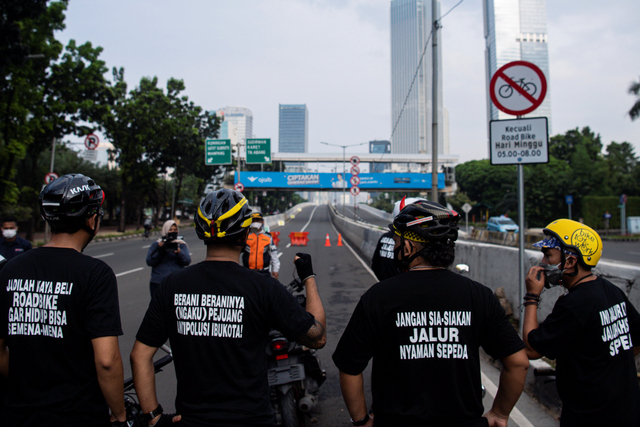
column 530, row 88
column 505, row 91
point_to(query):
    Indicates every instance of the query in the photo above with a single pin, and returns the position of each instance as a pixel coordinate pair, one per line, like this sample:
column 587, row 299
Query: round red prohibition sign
column 355, row 180
column 518, row 88
column 355, row 160
column 91, row 142
column 355, row 170
column 50, row 177
column 354, row 190
column 239, row 187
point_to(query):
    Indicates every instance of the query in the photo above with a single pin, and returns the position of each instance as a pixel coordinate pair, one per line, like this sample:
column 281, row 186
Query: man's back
column 217, row 316
column 54, row 301
column 423, row 330
column 590, row 333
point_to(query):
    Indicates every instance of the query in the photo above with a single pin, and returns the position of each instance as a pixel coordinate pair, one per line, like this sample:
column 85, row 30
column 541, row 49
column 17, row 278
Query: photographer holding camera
column 167, row 254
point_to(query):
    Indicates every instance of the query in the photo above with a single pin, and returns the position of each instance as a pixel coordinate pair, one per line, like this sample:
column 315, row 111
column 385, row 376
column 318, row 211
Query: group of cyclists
column 422, row 325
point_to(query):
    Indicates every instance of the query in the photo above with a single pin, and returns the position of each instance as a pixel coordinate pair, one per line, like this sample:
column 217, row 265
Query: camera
column 170, row 241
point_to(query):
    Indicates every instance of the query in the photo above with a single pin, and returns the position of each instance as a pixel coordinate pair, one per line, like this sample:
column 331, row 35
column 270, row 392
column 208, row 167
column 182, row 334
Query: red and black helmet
column 425, row 221
column 70, row 198
column 222, row 215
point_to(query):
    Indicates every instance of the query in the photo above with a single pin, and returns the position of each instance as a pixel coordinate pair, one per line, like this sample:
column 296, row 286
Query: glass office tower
column 293, row 135
column 516, row 30
column 411, row 23
column 242, row 120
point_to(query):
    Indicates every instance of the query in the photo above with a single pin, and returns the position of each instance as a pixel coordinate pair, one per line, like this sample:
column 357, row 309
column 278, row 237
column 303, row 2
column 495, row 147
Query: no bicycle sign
column 518, row 88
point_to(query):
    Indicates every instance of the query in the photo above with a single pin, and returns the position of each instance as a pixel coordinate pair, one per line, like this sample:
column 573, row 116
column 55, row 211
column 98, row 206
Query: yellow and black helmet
column 223, row 215
column 574, row 238
column 257, row 216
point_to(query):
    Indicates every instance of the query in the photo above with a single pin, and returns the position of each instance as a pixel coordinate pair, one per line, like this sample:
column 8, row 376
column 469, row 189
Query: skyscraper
column 516, row 30
column 293, row 129
column 411, row 46
column 242, row 120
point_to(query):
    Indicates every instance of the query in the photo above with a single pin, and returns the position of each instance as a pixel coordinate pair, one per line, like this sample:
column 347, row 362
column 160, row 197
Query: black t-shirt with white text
column 591, row 333
column 383, row 261
column 217, row 316
column 423, row 330
column 53, row 302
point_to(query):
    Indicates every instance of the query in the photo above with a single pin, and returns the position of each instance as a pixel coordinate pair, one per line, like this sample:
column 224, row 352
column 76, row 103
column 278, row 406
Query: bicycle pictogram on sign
column 518, row 88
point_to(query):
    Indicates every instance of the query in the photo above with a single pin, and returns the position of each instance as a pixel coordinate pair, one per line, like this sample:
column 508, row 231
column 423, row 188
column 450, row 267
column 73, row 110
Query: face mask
column 256, row 225
column 9, row 234
column 552, row 274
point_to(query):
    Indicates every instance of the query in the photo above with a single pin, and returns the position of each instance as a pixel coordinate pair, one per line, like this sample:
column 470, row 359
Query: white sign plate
column 519, row 141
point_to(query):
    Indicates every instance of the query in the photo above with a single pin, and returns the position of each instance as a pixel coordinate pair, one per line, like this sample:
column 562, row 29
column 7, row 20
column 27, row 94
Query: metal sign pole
column 521, row 237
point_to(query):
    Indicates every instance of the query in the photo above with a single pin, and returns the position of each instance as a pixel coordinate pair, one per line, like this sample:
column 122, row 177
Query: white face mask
column 256, row 225
column 9, row 234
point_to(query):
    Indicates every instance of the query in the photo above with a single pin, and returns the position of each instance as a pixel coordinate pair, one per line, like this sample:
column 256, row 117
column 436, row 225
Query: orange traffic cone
column 339, row 239
column 327, row 242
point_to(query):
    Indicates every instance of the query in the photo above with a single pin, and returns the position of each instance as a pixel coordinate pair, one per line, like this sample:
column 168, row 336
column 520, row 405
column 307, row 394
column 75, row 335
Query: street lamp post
column 344, row 170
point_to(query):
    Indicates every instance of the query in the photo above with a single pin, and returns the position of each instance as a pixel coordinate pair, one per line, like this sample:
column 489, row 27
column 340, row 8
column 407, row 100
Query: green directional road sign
column 217, row 152
column 258, row 150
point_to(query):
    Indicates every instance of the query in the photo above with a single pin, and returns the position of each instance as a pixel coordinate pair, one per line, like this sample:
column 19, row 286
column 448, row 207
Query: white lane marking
column 364, row 264
column 146, row 247
column 103, row 255
column 280, row 254
column 130, row 271
column 288, row 245
column 634, row 253
column 516, row 415
column 311, row 217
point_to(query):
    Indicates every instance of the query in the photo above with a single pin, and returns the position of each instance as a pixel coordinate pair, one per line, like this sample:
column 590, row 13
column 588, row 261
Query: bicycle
column 506, row 90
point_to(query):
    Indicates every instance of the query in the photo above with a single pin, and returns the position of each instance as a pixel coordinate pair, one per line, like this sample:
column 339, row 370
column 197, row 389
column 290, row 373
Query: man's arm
column 275, row 261
column 352, row 387
column 534, row 286
column 110, row 374
column 512, row 379
column 144, row 375
column 4, row 359
column 316, row 336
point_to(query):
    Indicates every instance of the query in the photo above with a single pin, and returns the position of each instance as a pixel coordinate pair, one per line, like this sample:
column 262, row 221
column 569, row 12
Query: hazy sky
column 334, row 56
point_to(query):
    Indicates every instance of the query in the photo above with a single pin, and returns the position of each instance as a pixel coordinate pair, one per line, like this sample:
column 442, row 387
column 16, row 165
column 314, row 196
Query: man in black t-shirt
column 423, row 328
column 10, row 243
column 593, row 331
column 217, row 315
column 60, row 320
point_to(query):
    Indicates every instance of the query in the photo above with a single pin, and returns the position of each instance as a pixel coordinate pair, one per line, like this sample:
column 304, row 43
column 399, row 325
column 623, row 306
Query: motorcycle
column 135, row 416
column 295, row 375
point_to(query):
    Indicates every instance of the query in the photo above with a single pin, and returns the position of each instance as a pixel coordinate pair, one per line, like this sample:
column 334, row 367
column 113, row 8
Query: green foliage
column 458, row 200
column 634, row 89
column 382, row 203
column 595, row 207
column 576, row 167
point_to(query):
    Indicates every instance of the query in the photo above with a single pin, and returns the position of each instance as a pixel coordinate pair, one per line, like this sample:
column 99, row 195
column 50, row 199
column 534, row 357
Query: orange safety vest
column 257, row 255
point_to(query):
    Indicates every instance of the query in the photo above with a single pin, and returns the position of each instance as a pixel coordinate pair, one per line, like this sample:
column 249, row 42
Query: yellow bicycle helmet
column 578, row 238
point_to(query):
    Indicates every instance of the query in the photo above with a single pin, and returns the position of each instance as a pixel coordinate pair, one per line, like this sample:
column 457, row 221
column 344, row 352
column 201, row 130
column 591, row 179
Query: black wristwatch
column 151, row 415
column 361, row 422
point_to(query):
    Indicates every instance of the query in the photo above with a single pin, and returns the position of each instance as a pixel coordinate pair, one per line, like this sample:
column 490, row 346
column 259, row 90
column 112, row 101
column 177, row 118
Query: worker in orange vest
column 260, row 253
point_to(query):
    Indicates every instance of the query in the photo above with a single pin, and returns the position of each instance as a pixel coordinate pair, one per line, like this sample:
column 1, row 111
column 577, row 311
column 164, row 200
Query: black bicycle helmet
column 222, row 215
column 70, row 198
column 425, row 221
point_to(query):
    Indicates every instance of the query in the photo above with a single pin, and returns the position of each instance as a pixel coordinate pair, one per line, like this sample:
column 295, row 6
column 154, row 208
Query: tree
column 486, row 183
column 634, row 89
column 622, row 165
